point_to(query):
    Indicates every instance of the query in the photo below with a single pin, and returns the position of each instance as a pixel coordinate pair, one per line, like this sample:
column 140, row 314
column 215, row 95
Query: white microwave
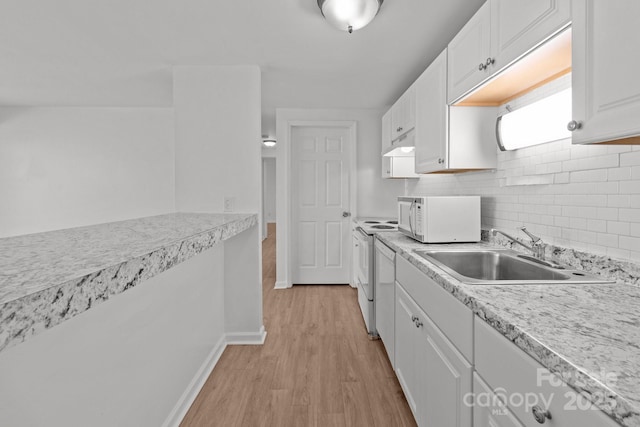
column 445, row 219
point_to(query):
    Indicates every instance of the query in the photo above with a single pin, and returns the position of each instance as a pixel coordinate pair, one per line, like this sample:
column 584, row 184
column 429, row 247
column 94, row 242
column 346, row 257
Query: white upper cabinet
column 403, row 114
column 432, row 116
column 606, row 87
column 468, row 53
column 386, row 131
column 498, row 34
column 451, row 139
column 517, row 26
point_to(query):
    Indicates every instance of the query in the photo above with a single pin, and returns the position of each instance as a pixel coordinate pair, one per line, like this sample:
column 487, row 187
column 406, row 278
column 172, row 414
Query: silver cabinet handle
column 418, row 322
column 540, row 415
column 346, row 214
column 399, row 129
column 490, row 61
column 574, row 125
column 481, row 67
column 414, row 318
column 440, row 160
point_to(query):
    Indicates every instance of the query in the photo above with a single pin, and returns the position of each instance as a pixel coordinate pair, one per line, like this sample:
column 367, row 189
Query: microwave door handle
column 411, row 216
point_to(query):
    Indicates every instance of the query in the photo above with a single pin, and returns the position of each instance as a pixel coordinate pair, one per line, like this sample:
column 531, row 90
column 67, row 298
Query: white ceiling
column 121, row 52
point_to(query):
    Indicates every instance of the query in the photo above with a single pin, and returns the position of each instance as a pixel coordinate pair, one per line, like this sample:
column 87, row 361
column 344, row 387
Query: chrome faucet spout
column 494, row 232
column 537, row 245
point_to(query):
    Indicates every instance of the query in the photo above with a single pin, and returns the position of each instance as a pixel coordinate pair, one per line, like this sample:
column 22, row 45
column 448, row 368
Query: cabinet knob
column 346, row 214
column 414, row 318
column 490, row 61
column 481, row 66
column 440, row 161
column 540, row 414
column 418, row 323
column 399, row 129
column 574, row 125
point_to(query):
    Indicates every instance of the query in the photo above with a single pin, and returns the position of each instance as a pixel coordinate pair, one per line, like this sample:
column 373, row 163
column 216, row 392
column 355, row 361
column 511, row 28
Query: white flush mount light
column 543, row 121
column 269, row 142
column 349, row 15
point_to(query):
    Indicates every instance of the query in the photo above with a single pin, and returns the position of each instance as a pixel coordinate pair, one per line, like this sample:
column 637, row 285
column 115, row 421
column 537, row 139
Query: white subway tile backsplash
column 619, row 228
column 630, row 159
column 608, row 240
column 629, row 187
column 582, row 197
column 619, row 174
column 597, row 225
column 630, row 243
column 618, row 201
column 597, row 175
column 631, row 215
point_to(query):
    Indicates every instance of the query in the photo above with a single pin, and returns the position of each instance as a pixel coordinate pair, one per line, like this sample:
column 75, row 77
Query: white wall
column 590, row 201
column 374, row 196
column 126, row 362
column 269, row 187
column 68, row 167
column 218, row 139
column 218, row 155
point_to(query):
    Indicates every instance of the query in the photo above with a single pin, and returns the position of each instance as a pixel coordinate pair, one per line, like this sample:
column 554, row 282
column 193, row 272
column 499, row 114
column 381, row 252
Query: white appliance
column 385, row 296
column 363, row 257
column 443, row 219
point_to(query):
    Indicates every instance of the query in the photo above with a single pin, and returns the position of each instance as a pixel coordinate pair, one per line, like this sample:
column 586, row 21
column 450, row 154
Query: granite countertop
column 46, row 278
column 588, row 334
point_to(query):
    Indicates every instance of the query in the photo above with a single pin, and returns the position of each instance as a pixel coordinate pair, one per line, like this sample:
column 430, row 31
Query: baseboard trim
column 189, row 396
column 281, row 285
column 247, row 338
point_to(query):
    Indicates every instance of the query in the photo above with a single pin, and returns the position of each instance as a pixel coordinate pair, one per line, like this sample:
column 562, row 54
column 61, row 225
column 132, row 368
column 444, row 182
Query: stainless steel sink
column 502, row 267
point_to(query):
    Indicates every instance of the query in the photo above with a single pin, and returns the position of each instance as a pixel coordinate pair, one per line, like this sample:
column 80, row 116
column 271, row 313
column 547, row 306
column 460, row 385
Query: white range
column 364, row 265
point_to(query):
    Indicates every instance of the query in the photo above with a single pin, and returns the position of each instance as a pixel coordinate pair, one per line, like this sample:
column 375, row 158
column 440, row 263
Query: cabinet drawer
column 524, row 383
column 452, row 317
column 488, row 409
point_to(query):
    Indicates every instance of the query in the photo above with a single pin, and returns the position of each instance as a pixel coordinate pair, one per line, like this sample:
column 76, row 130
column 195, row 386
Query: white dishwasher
column 385, row 296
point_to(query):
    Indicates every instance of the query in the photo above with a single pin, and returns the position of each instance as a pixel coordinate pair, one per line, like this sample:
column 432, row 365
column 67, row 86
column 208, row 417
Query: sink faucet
column 537, row 246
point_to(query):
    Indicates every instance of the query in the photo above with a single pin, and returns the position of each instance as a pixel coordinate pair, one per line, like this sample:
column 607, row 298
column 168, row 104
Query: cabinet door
column 468, row 52
column 385, row 299
column 432, row 117
column 405, row 330
column 403, row 114
column 606, row 87
column 386, row 132
column 488, row 409
column 445, row 385
column 518, row 26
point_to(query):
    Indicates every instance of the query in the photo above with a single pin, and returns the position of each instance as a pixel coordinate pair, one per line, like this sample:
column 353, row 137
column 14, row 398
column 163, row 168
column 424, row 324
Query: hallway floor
column 317, row 367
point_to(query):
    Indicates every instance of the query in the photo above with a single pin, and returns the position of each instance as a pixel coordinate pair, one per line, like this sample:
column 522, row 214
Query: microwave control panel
column 418, row 220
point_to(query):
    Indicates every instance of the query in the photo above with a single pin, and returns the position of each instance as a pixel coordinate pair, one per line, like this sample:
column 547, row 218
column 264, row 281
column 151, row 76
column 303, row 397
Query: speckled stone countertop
column 47, row 278
column 589, row 334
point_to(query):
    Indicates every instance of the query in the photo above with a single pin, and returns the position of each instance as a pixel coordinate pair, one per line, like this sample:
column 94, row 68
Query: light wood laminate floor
column 316, row 368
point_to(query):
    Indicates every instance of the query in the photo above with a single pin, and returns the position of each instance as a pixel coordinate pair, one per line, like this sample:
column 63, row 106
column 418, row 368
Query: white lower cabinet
column 488, row 409
column 528, row 389
column 434, row 375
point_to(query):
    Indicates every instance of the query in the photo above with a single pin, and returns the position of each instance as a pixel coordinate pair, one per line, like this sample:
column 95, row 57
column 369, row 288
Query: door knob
column 346, row 214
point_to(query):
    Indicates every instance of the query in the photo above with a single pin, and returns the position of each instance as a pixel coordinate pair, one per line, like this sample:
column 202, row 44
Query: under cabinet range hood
column 403, row 146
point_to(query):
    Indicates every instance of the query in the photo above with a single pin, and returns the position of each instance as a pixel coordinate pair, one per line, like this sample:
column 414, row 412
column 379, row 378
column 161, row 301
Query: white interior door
column 320, row 186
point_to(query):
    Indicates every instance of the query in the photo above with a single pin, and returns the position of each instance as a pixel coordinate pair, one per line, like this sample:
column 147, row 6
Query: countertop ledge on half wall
column 47, row 278
column 588, row 334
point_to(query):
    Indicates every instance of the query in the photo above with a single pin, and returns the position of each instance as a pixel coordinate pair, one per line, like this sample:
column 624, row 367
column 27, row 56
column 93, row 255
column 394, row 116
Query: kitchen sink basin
column 502, row 267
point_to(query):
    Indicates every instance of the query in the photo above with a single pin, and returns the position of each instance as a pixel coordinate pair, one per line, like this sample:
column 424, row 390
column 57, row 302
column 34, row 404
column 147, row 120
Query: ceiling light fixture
column 349, row 15
column 269, row 142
